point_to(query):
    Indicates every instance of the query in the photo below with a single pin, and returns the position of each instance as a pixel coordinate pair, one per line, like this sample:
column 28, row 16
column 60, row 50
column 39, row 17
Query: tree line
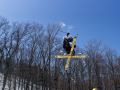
column 26, row 63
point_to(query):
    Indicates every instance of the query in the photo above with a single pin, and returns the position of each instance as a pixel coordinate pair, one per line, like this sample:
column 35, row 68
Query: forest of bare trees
column 26, row 63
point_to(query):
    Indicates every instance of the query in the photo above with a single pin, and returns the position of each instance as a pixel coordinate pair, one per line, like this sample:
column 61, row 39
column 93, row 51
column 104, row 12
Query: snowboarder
column 67, row 43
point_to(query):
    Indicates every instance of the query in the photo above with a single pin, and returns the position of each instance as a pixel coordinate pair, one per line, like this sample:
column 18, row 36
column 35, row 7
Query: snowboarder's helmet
column 68, row 33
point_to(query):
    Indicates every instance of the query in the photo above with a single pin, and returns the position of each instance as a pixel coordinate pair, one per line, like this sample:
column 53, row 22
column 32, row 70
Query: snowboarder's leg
column 68, row 50
column 74, row 50
column 73, row 53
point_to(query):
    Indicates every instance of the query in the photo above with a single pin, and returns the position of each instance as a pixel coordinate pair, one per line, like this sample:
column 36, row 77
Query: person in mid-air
column 67, row 43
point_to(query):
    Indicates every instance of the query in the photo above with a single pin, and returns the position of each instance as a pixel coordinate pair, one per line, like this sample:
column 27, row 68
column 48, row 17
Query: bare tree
column 94, row 51
column 111, row 65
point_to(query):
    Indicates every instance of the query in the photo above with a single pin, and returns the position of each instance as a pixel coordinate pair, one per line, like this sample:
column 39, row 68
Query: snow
column 12, row 86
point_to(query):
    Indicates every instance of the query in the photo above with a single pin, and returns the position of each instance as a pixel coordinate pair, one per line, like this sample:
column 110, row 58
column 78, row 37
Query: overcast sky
column 91, row 19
